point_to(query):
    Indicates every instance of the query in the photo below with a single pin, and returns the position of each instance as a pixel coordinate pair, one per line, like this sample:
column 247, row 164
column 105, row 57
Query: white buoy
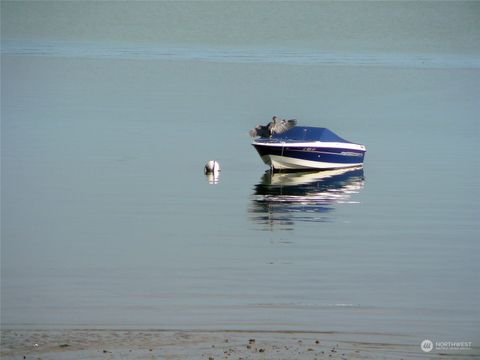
column 212, row 167
column 212, row 171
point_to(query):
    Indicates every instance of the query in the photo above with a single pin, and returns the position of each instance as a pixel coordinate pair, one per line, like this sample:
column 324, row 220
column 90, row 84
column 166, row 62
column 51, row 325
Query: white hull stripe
column 282, row 162
column 316, row 144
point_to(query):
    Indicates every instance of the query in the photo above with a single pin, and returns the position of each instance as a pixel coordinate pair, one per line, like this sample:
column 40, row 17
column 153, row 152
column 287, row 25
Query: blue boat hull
column 309, row 157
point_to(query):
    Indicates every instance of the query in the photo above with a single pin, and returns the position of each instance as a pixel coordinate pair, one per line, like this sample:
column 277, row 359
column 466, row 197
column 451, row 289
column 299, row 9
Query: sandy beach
column 169, row 344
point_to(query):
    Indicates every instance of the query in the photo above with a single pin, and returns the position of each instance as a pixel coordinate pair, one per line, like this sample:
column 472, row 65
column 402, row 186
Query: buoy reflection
column 213, row 178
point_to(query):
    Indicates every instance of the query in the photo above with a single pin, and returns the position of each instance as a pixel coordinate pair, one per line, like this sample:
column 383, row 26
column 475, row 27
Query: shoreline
column 76, row 344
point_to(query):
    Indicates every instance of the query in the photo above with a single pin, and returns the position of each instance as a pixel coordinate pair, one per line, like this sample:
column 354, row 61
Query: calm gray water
column 109, row 221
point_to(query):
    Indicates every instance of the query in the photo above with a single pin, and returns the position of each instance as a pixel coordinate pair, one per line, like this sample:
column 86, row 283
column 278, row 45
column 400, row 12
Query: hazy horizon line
column 224, row 54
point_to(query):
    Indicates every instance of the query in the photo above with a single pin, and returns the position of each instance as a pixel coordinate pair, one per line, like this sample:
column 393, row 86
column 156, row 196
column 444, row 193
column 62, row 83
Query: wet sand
column 160, row 344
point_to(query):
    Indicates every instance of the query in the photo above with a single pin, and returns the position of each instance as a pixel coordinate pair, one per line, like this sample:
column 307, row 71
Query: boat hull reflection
column 285, row 198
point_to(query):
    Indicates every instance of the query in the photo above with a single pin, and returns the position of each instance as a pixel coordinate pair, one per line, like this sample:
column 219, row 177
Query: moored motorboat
column 307, row 147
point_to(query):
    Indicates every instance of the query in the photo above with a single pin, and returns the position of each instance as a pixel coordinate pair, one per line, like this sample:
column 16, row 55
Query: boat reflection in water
column 281, row 199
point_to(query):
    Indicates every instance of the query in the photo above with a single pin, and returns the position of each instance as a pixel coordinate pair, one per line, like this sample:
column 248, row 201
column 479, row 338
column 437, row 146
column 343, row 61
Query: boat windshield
column 309, row 133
